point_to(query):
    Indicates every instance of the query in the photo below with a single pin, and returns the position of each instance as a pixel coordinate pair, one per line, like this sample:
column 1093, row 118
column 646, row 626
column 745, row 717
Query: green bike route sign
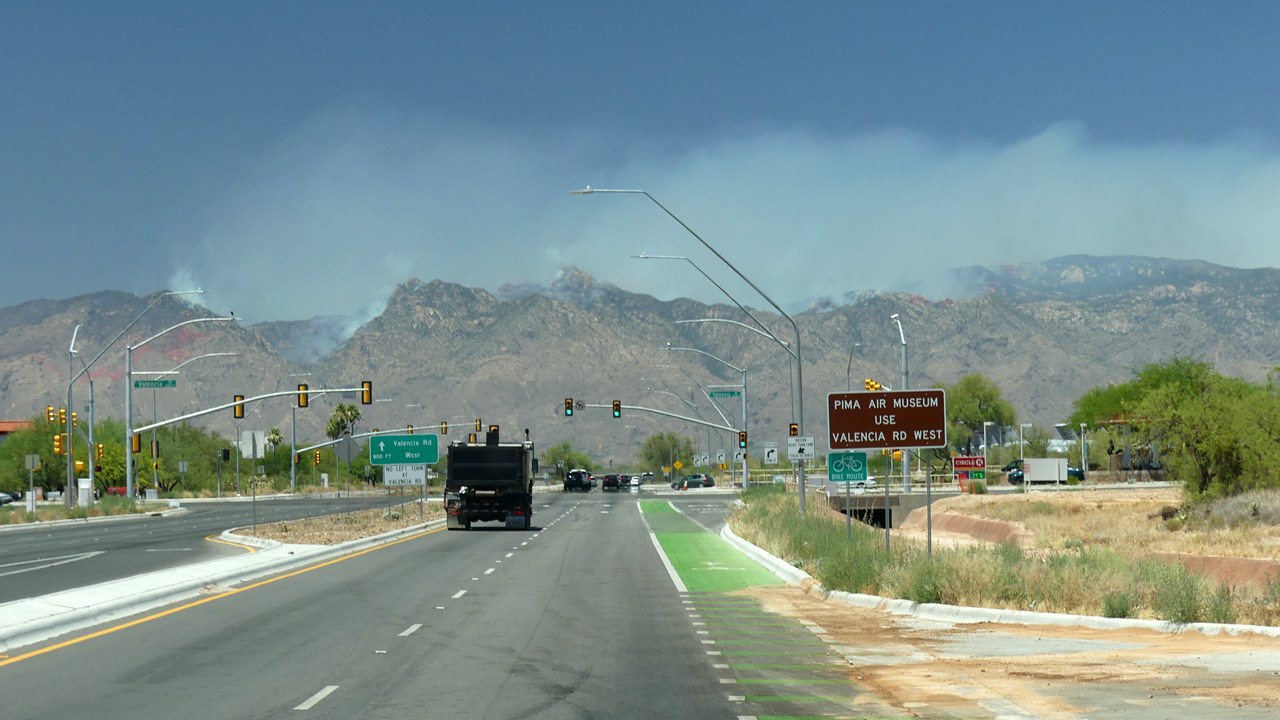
column 404, row 449
column 846, row 467
column 155, row 383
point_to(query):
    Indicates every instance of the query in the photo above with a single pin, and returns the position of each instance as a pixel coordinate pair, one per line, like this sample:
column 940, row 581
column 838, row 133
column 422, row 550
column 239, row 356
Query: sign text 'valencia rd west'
column 890, row 419
column 403, row 449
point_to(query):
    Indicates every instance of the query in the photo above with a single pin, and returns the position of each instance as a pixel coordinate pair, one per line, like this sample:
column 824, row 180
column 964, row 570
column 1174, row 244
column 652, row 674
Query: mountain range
column 439, row 351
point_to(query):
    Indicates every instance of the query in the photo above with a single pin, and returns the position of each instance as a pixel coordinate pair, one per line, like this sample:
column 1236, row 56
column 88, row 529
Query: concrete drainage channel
column 34, row 620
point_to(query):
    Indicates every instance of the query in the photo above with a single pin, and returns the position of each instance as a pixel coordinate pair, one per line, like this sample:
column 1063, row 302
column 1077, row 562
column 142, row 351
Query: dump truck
column 490, row 481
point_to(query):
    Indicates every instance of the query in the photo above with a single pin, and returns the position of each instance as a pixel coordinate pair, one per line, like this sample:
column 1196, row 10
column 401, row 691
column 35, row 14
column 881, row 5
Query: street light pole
column 723, row 259
column 128, row 392
column 906, row 453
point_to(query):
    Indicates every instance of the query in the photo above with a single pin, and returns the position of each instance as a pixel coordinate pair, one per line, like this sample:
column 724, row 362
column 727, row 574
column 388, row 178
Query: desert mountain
column 1044, row 332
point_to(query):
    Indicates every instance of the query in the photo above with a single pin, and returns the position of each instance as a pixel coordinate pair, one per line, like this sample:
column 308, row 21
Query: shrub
column 1175, row 592
column 1120, row 604
column 979, row 487
column 1173, row 524
column 925, row 584
column 1221, row 606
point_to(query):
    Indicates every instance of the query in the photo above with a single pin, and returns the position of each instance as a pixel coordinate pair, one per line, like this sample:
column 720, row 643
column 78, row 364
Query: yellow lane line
column 228, row 593
column 215, row 538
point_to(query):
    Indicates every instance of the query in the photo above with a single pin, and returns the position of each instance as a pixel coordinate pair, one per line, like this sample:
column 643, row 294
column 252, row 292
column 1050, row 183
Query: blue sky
column 298, row 159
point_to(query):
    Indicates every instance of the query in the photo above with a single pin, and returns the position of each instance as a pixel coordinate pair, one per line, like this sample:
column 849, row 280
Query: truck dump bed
column 488, row 467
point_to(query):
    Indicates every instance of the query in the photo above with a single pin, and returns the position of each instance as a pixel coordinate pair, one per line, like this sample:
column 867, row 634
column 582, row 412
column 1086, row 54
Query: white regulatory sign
column 801, row 448
column 770, row 453
column 404, row 475
column 720, row 457
column 739, row 456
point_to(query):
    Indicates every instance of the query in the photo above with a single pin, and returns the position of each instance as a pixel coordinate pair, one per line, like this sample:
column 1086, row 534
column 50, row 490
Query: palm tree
column 273, row 440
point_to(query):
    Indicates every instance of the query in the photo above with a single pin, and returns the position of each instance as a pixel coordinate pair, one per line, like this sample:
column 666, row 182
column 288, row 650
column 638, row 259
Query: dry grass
column 16, row 514
column 334, row 529
column 1128, row 521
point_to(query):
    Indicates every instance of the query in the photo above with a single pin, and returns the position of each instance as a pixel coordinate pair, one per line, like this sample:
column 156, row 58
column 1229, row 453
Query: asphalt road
column 577, row 618
column 37, row 561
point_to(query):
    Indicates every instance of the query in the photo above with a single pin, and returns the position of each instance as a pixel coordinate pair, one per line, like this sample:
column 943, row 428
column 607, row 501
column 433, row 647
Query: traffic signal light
column 155, row 448
column 493, row 428
column 444, row 428
column 99, row 451
column 478, row 428
column 897, row 454
column 302, row 395
column 871, row 385
column 366, row 392
column 617, row 408
column 62, row 417
column 238, row 411
column 74, row 421
column 794, row 430
column 568, row 407
column 49, row 415
column 410, row 430
column 79, row 466
column 137, row 444
column 226, row 454
column 57, row 444
column 742, row 438
column 316, row 459
column 472, row 438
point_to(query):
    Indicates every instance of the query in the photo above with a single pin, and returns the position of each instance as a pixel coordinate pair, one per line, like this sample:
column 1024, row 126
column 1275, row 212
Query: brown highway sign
column 889, row 419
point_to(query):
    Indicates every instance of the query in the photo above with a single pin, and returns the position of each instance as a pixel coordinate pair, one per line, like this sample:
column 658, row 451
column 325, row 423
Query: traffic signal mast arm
column 695, row 421
column 371, row 433
column 233, row 403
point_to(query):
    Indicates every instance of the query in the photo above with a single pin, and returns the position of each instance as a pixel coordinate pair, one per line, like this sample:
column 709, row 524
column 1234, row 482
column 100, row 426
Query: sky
column 296, row 159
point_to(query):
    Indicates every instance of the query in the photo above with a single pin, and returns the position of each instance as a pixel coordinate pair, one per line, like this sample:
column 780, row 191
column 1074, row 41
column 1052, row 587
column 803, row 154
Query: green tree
column 973, row 400
column 658, row 451
column 1037, row 439
column 344, row 417
column 571, row 458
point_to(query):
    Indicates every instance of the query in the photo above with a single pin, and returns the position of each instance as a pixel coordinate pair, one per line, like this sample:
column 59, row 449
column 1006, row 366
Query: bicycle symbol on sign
column 847, row 464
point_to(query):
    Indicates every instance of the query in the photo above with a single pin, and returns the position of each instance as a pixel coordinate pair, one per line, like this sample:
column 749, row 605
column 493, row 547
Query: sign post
column 32, row 462
column 889, row 419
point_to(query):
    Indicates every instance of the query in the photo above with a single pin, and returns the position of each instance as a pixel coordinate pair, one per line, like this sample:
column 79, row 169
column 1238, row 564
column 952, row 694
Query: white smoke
column 333, row 217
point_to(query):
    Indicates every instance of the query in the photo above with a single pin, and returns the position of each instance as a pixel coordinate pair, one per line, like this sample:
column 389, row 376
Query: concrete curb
column 33, row 620
column 969, row 615
column 168, row 512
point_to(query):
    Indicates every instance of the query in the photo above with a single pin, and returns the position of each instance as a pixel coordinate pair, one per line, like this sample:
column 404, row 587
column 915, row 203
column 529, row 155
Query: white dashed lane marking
column 459, row 594
column 311, row 701
column 489, row 571
column 410, row 630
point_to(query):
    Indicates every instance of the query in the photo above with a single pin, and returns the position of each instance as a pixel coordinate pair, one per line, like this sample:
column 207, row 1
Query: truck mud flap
column 516, row 522
column 454, row 522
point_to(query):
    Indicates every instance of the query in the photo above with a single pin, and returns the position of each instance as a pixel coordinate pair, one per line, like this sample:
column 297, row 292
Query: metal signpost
column 32, row 463
column 889, row 419
column 847, row 468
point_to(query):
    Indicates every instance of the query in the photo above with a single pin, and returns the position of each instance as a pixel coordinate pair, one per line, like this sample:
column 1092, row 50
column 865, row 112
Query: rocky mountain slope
column 439, row 351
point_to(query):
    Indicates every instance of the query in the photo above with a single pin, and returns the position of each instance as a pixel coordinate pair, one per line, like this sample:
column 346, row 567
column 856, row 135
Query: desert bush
column 1120, row 604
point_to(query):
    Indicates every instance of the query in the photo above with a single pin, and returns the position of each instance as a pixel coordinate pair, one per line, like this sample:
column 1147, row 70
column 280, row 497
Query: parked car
column 1016, row 475
column 696, row 480
column 6, row 498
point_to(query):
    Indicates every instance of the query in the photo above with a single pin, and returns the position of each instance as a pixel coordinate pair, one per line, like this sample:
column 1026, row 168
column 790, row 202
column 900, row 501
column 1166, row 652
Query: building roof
column 8, row 426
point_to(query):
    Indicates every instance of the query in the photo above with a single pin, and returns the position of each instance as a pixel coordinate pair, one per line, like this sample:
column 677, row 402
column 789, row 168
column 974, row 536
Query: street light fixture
column 796, row 328
column 128, row 392
column 906, row 453
column 70, row 489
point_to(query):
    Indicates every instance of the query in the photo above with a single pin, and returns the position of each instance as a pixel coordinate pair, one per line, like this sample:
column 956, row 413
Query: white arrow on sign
column 382, row 446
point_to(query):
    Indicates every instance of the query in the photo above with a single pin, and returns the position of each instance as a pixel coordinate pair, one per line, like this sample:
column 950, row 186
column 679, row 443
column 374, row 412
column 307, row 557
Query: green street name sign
column 155, row 383
column 404, row 449
column 726, row 393
column 846, row 467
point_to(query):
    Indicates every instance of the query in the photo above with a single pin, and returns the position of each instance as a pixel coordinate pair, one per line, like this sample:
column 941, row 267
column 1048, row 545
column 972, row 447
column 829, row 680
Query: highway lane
column 40, row 560
column 577, row 618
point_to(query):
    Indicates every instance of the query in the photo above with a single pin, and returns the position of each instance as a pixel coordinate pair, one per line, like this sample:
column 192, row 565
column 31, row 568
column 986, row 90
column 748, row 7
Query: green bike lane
column 771, row 666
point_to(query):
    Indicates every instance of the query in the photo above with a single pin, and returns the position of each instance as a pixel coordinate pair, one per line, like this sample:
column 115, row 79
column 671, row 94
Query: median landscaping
column 1086, row 572
column 334, row 529
column 16, row 513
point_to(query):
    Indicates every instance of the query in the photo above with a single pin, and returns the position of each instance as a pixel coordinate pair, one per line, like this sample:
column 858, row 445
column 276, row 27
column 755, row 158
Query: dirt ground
column 334, row 529
column 1051, row 671
column 1125, row 520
